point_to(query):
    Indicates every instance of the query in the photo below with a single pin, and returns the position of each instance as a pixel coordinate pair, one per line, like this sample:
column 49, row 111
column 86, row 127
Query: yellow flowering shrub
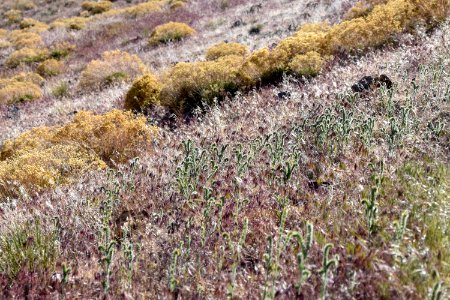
column 362, row 8
column 170, row 32
column 46, row 156
column 26, row 55
column 74, row 23
column 4, row 42
column 33, row 25
column 13, row 15
column 256, row 67
column 61, row 50
column 137, row 10
column 23, row 39
column 35, row 169
column 94, row 7
column 187, row 85
column 114, row 66
column 25, row 4
column 225, row 49
column 22, row 87
column 432, row 11
column 174, row 4
column 50, row 67
column 309, row 64
column 143, row 93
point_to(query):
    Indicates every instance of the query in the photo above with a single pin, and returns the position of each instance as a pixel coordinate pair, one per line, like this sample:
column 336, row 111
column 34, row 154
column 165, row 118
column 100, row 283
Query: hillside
column 224, row 149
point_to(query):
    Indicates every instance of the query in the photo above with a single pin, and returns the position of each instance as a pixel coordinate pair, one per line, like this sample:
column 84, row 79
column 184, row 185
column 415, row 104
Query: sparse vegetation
column 314, row 166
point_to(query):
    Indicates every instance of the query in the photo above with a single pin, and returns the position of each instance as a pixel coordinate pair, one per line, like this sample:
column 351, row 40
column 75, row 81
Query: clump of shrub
column 29, row 244
column 13, row 16
column 22, row 39
column 114, row 66
column 25, row 4
column 170, row 32
column 94, row 7
column 225, row 49
column 27, row 56
column 50, row 67
column 46, row 156
column 309, row 64
column 4, row 42
column 22, row 87
column 144, row 93
column 137, row 10
column 73, row 23
column 33, row 25
column 175, row 4
column 61, row 50
column 187, row 85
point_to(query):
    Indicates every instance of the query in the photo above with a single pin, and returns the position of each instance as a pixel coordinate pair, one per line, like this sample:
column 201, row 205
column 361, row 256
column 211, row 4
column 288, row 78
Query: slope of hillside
column 297, row 189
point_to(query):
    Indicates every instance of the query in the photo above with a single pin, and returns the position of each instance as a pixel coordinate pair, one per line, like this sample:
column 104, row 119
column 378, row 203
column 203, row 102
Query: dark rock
column 363, row 84
column 383, row 80
column 237, row 23
column 284, row 95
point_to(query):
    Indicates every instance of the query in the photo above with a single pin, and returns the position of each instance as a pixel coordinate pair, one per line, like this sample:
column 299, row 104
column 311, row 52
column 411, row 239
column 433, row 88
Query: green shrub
column 170, row 32
column 143, row 93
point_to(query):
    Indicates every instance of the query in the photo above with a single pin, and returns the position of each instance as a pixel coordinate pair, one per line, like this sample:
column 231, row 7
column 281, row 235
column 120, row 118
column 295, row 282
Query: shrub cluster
column 225, row 49
column 22, row 87
column 187, row 85
column 145, row 92
column 170, row 32
column 27, row 56
column 13, row 16
column 114, row 66
column 32, row 25
column 73, row 23
column 94, row 7
column 21, row 39
column 50, row 67
column 47, row 156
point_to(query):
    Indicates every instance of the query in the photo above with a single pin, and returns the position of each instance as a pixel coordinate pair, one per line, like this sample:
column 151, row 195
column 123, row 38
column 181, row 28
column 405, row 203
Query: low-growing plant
column 50, row 67
column 114, row 66
column 144, row 93
column 13, row 16
column 61, row 90
column 30, row 245
column 225, row 49
column 47, row 156
column 96, row 7
column 308, row 64
column 327, row 263
column 32, row 25
column 73, row 23
column 23, row 39
column 21, row 87
column 187, row 85
column 170, row 32
column 26, row 56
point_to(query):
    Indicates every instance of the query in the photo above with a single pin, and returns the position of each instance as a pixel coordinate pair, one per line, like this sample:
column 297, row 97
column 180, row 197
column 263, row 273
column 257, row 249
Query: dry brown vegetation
column 246, row 166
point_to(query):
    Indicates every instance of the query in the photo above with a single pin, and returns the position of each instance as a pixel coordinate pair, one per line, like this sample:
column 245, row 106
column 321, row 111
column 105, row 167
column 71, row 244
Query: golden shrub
column 74, row 23
column 50, row 67
column 35, row 169
column 18, row 91
column 33, row 25
column 46, row 156
column 21, row 87
column 114, row 66
column 187, row 85
column 13, row 15
column 225, row 49
column 309, row 64
column 176, row 4
column 61, row 50
column 26, row 55
column 312, row 37
column 256, row 67
column 432, row 12
column 25, row 4
column 137, row 10
column 144, row 93
column 95, row 7
column 23, row 39
column 170, row 32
